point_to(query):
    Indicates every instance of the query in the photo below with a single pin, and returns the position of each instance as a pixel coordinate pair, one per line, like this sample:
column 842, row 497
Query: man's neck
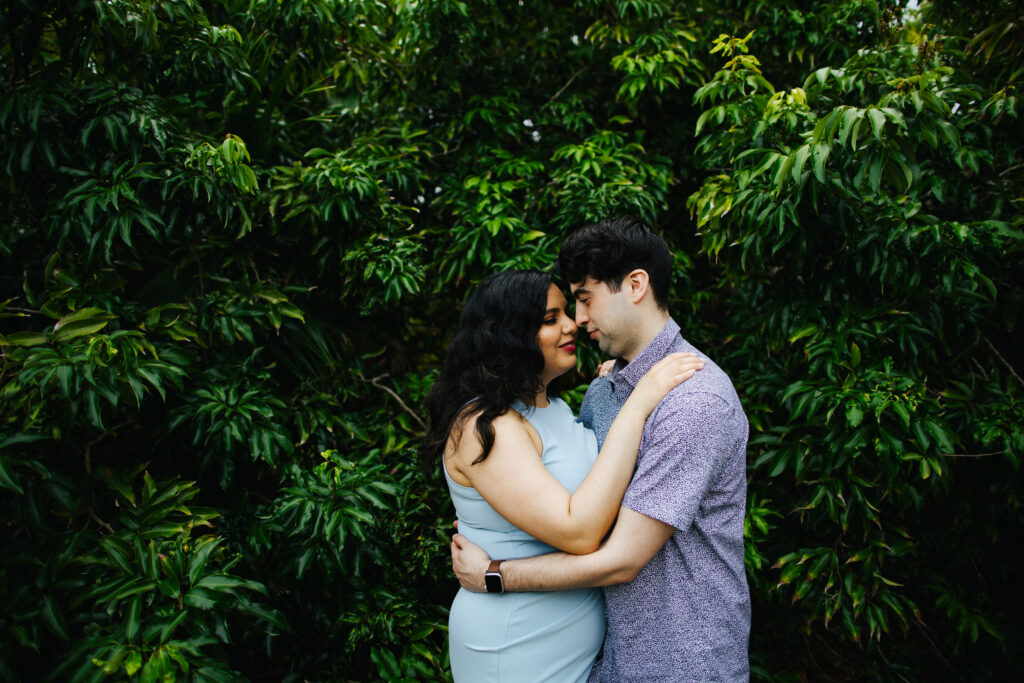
column 648, row 328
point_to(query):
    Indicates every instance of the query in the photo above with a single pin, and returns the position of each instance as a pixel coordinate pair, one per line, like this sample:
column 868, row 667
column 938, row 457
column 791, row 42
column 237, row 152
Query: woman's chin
column 567, row 368
column 551, row 374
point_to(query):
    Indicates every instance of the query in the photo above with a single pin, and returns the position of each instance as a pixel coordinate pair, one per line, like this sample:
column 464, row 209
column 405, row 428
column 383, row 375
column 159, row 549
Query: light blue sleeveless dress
column 526, row 637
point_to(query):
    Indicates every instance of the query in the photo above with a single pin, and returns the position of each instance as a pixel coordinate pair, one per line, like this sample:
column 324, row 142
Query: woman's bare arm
column 514, row 481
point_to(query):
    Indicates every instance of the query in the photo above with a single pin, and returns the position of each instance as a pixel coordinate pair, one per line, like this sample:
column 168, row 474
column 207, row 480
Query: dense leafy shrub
column 867, row 225
column 236, row 236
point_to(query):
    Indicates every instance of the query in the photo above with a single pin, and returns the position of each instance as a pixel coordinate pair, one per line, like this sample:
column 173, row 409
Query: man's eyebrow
column 580, row 291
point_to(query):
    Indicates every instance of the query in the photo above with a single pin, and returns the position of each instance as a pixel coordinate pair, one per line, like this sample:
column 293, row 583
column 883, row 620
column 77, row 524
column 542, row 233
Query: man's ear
column 639, row 284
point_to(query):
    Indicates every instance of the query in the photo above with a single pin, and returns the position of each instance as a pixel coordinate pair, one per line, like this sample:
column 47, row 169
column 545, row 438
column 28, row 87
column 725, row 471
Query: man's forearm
column 561, row 571
column 635, row 539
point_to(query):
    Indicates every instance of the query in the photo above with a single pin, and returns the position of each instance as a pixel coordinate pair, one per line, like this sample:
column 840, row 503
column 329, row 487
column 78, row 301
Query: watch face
column 493, row 583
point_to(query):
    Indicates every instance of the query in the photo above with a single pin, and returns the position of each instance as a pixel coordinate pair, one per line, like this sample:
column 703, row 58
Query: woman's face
column 556, row 337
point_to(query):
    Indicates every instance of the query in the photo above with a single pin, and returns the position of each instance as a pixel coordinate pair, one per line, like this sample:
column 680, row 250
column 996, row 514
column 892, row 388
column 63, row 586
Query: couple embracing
column 656, row 456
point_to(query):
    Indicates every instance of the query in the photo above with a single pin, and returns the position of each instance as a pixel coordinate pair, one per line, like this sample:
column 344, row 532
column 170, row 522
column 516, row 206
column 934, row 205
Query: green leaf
column 949, row 132
column 802, row 332
column 221, row 582
column 117, row 554
column 902, row 412
column 169, row 587
column 21, row 437
column 7, row 479
column 877, row 119
column 134, row 588
column 200, row 598
column 941, row 436
column 854, row 414
column 23, row 339
column 157, row 669
column 820, row 157
column 53, row 616
column 168, row 630
column 201, row 557
column 851, row 116
column 83, row 314
column 800, row 160
column 875, row 171
column 131, row 623
column 92, row 406
column 79, row 328
column 114, row 658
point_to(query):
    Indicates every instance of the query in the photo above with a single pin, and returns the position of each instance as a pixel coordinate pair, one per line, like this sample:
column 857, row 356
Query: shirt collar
column 645, row 360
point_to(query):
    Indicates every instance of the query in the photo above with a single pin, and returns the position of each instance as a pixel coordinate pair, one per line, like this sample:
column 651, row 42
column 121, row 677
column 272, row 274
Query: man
column 678, row 608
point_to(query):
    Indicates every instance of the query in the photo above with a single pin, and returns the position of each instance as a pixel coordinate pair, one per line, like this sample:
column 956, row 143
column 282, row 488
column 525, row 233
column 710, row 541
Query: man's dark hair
column 611, row 249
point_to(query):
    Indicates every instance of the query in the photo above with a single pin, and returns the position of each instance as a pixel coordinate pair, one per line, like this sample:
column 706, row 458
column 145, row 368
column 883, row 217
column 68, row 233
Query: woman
column 526, row 478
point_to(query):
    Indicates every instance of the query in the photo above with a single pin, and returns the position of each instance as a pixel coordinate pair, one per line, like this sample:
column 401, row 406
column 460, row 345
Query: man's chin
column 607, row 348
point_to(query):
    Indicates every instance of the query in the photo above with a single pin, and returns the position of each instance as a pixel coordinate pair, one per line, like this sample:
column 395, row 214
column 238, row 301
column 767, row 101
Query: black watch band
column 492, row 578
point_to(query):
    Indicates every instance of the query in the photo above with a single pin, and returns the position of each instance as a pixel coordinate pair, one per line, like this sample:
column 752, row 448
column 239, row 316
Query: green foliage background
column 236, row 234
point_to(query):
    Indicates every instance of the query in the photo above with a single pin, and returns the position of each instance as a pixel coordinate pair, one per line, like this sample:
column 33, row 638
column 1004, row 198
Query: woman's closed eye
column 554, row 318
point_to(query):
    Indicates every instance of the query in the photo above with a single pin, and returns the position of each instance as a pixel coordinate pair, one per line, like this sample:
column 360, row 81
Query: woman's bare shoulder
column 464, row 444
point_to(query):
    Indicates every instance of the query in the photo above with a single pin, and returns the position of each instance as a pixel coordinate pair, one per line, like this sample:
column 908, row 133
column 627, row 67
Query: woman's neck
column 541, row 399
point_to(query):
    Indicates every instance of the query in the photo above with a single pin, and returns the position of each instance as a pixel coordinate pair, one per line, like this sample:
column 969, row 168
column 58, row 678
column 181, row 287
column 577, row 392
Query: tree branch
column 972, row 455
column 95, row 517
column 563, row 88
column 376, row 382
column 1000, row 357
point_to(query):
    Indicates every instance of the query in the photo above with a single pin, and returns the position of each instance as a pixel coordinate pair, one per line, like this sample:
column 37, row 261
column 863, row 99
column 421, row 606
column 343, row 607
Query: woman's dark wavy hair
column 492, row 360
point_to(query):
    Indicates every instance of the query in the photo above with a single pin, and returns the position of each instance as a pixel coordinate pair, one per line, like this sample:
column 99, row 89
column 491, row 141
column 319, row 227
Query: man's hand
column 469, row 562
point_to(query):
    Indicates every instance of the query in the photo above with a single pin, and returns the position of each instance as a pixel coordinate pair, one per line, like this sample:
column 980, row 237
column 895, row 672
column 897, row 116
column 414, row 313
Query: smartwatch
column 492, row 577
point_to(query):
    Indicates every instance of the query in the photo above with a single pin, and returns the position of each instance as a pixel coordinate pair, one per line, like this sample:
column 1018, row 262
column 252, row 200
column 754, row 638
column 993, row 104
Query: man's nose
column 581, row 315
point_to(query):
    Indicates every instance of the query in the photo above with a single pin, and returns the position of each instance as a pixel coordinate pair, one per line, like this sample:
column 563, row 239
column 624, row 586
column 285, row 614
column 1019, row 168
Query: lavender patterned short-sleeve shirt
column 686, row 617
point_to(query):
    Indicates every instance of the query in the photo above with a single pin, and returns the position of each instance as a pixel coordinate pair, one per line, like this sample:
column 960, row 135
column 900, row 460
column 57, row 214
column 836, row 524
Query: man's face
column 608, row 316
